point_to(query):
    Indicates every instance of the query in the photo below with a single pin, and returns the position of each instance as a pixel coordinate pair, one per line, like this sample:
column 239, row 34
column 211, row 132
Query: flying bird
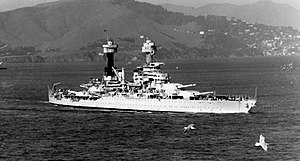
column 262, row 143
column 188, row 128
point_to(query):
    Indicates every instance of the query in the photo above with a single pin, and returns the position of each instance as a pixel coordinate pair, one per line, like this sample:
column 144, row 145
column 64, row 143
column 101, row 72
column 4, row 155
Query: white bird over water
column 262, row 143
column 188, row 128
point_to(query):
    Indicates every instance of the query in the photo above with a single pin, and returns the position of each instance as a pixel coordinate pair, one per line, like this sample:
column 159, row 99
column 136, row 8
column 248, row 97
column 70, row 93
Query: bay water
column 33, row 129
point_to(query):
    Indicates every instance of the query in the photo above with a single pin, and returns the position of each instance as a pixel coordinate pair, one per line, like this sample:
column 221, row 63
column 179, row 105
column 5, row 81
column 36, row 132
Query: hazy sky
column 6, row 5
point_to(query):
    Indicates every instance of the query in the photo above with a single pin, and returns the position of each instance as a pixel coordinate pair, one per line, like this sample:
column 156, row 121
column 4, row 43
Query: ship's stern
column 250, row 104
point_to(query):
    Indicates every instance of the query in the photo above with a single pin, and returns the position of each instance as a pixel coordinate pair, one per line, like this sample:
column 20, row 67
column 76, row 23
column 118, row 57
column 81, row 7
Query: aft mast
column 149, row 48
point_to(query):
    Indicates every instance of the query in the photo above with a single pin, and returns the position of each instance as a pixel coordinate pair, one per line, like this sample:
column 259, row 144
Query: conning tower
column 149, row 49
column 109, row 50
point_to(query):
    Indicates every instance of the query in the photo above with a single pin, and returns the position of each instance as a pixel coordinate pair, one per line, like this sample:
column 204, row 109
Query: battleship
column 150, row 89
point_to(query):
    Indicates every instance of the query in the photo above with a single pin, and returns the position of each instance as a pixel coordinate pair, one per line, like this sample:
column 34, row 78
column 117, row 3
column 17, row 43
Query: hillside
column 65, row 26
column 264, row 11
column 72, row 30
column 73, row 23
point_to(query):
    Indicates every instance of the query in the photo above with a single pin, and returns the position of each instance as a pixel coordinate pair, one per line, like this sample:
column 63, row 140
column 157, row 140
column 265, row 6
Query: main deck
column 168, row 105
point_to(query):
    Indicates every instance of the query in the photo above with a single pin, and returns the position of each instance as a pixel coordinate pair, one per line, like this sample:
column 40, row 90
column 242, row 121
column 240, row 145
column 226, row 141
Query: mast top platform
column 110, row 47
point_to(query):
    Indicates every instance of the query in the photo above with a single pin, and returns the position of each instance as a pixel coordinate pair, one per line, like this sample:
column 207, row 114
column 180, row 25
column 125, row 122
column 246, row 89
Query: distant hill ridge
column 263, row 11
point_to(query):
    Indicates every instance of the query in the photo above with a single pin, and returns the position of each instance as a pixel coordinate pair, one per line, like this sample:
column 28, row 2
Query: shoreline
column 39, row 61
